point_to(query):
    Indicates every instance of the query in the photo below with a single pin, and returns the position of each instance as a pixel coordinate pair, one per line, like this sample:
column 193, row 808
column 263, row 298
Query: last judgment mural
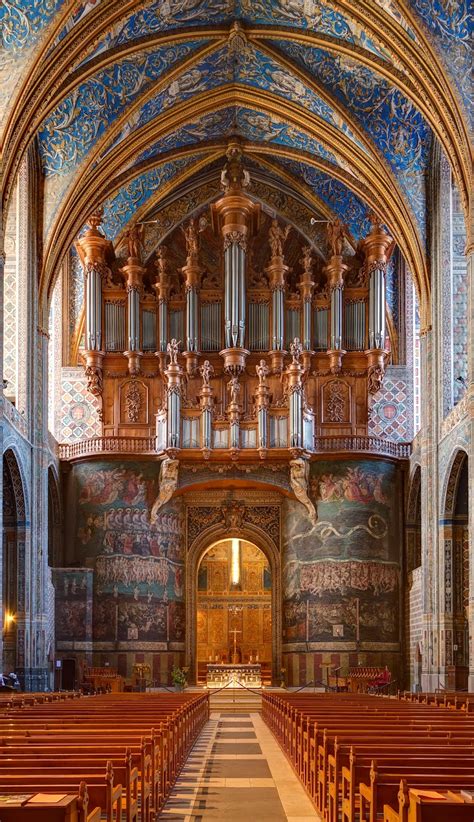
column 136, row 600
column 341, row 575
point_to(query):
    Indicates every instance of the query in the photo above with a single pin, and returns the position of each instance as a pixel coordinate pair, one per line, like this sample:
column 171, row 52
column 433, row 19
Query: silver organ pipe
column 278, row 318
column 234, row 259
column 320, row 320
column 211, row 318
column 292, row 325
column 176, row 320
column 258, row 326
column 354, row 325
column 377, row 308
column 114, row 311
column 133, row 319
column 148, row 330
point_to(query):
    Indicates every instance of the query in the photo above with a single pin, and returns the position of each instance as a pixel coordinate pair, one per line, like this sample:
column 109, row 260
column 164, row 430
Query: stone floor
column 237, row 769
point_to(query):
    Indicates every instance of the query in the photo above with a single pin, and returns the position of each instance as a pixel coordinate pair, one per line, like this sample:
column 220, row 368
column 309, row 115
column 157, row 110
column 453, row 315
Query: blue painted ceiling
column 340, row 108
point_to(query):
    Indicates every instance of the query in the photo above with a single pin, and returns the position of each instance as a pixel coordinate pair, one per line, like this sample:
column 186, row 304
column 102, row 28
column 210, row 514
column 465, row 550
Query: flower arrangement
column 178, row 677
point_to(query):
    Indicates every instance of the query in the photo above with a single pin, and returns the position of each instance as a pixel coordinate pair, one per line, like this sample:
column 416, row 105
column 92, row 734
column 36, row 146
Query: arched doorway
column 253, row 536
column 13, row 567
column 55, row 559
column 456, row 572
column 234, row 591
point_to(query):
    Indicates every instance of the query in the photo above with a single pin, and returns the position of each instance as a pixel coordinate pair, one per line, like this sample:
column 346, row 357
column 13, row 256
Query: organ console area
column 210, row 346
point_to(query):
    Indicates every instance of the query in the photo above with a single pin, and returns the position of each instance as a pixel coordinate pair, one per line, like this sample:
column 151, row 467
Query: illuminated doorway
column 234, row 607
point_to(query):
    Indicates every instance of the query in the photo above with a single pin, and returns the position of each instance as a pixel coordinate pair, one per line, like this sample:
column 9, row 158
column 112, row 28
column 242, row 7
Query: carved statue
column 336, row 232
column 299, row 475
column 161, row 259
column 191, row 237
column 375, row 379
column 234, row 387
column 276, row 238
column 233, row 515
column 206, row 371
column 172, row 349
column 94, row 380
column 296, row 350
column 263, row 371
column 168, row 482
column 307, row 260
column 134, row 239
column 233, row 176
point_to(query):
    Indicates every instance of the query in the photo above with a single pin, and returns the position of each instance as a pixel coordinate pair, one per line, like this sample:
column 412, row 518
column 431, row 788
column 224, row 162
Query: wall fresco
column 341, row 575
column 136, row 600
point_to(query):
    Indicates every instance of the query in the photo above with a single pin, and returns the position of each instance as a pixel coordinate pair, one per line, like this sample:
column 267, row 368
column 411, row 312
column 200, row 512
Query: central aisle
column 237, row 771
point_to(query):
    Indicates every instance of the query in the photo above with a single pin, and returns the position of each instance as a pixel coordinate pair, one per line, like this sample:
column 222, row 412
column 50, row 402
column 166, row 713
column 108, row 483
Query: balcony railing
column 147, row 445
column 14, row 417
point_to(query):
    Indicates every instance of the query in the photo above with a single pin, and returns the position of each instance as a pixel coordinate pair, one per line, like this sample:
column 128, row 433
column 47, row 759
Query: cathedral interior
column 237, row 302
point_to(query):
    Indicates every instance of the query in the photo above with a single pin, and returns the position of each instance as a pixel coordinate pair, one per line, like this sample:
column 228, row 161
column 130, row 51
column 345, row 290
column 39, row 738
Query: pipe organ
column 235, row 359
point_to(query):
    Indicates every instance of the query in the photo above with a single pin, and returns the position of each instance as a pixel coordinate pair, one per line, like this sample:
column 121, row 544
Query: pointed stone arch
column 196, row 550
column 15, row 527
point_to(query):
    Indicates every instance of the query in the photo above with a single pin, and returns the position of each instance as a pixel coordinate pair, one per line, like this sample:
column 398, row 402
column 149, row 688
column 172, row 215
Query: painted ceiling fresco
column 343, row 107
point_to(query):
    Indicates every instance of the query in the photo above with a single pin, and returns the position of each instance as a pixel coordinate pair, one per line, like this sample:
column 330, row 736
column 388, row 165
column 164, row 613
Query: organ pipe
column 94, row 250
column 134, row 278
column 378, row 247
column 235, row 216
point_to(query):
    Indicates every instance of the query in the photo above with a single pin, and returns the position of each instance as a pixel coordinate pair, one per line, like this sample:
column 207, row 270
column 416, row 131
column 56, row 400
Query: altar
column 226, row 675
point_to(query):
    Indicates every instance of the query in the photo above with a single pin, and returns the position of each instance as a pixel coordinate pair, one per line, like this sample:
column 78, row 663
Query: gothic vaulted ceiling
column 131, row 104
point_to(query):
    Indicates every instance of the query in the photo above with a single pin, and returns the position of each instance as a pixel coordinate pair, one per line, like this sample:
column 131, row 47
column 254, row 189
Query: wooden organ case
column 221, row 357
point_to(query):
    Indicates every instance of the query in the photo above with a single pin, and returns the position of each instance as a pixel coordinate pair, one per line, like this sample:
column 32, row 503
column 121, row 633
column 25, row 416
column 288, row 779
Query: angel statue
column 206, row 371
column 172, row 349
column 234, row 387
column 299, row 475
column 134, row 239
column 276, row 238
column 336, row 231
column 263, row 371
column 168, row 483
column 296, row 349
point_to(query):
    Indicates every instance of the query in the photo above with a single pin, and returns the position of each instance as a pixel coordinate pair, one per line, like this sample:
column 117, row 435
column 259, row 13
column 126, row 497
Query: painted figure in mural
column 299, row 475
column 172, row 349
column 168, row 483
column 234, row 387
column 276, row 238
column 206, row 371
column 134, row 239
column 192, row 240
column 336, row 232
column 296, row 350
column 263, row 371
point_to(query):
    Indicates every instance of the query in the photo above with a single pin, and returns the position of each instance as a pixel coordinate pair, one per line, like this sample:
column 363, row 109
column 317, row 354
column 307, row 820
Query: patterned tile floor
column 237, row 769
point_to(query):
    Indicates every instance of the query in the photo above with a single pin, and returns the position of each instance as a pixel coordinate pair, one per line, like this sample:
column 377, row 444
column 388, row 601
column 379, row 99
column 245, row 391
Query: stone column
column 470, row 405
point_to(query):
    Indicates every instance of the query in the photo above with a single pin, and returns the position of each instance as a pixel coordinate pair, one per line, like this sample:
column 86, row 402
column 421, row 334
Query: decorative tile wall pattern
column 391, row 413
column 460, row 296
column 79, row 411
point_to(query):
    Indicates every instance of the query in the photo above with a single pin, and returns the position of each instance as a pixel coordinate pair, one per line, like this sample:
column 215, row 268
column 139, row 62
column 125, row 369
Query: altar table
column 227, row 675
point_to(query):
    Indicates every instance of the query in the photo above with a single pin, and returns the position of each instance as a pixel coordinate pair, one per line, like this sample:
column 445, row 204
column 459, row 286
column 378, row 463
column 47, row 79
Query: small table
column 227, row 675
